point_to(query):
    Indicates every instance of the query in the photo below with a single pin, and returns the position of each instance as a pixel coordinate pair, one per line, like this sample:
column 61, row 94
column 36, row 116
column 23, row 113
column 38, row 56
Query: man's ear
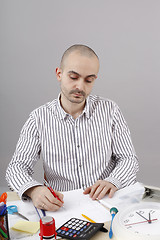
column 59, row 74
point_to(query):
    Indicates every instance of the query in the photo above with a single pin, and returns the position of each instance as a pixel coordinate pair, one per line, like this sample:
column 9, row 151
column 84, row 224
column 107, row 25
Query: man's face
column 77, row 77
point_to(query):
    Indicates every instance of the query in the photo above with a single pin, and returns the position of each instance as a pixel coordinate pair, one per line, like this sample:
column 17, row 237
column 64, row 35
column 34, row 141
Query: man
column 83, row 139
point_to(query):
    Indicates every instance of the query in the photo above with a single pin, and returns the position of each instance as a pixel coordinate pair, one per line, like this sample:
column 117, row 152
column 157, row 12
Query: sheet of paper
column 76, row 204
column 123, row 197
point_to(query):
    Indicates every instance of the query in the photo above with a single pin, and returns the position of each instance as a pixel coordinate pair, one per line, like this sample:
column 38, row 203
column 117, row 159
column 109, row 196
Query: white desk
column 12, row 196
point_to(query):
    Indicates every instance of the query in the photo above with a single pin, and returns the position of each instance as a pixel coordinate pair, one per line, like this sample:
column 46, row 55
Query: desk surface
column 12, row 196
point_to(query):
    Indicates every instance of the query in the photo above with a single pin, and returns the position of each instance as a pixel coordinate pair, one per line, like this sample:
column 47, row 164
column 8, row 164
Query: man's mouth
column 78, row 93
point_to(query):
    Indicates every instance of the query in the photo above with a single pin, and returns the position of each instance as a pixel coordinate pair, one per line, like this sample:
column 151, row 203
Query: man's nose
column 80, row 84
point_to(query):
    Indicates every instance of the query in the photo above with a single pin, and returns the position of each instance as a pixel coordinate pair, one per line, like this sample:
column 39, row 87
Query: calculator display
column 78, row 229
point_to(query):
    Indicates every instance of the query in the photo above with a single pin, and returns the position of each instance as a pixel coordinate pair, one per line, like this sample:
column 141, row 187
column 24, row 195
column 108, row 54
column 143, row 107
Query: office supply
column 4, row 229
column 39, row 211
column 51, row 190
column 43, row 212
column 113, row 212
column 3, row 198
column 47, row 228
column 26, row 226
column 3, row 209
column 124, row 197
column 78, row 229
column 12, row 209
column 3, row 233
column 89, row 219
column 76, row 203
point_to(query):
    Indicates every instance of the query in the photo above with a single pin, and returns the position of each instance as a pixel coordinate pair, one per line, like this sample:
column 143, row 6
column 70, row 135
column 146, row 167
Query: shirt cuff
column 114, row 181
column 25, row 187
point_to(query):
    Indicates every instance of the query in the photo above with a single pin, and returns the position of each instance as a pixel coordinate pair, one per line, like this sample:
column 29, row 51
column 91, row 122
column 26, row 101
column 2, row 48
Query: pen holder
column 47, row 228
column 4, row 230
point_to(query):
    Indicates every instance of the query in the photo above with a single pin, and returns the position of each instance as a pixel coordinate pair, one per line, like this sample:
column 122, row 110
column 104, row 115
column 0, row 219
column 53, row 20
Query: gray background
column 126, row 36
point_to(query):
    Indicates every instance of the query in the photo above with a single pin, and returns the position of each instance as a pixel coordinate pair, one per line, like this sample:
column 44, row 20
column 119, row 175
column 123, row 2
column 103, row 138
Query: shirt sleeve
column 20, row 169
column 123, row 153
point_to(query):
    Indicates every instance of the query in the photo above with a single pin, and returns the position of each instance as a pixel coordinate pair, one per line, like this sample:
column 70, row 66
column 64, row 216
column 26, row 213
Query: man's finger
column 112, row 191
column 87, row 190
column 97, row 191
column 104, row 191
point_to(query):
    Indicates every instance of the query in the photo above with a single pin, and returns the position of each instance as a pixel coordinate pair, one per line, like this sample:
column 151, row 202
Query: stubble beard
column 73, row 98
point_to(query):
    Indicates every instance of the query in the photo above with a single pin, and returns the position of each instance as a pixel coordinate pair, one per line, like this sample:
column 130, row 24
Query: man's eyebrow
column 91, row 75
column 70, row 72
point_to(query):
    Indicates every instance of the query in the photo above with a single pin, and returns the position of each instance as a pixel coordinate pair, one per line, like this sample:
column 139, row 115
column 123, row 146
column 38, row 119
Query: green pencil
column 3, row 233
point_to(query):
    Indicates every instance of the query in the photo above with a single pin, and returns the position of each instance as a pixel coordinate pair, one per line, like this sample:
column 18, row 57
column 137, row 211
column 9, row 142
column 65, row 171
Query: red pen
column 51, row 190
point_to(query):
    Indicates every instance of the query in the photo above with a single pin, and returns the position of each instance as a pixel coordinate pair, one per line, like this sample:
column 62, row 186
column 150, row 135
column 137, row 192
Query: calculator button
column 65, row 228
column 88, row 224
column 78, row 228
column 85, row 227
column 63, row 232
column 80, row 221
column 74, row 227
column 81, row 235
column 78, row 232
column 66, row 233
column 75, row 235
column 70, row 230
column 74, row 231
column 71, row 234
column 77, row 220
column 59, row 230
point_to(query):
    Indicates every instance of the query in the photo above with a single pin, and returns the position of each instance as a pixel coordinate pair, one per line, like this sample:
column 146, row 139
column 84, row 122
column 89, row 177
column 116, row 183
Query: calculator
column 78, row 229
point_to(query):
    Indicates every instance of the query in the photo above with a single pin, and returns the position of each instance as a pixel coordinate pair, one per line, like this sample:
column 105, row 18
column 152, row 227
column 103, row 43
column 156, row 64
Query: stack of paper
column 125, row 196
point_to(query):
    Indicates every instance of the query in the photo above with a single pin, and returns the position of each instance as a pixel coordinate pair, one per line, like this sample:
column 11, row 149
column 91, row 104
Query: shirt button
column 78, row 146
column 80, row 165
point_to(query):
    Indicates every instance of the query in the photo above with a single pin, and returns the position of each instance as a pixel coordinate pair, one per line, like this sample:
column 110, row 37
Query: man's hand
column 42, row 198
column 100, row 189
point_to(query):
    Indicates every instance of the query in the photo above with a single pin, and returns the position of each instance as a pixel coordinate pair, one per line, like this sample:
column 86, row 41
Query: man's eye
column 89, row 80
column 73, row 77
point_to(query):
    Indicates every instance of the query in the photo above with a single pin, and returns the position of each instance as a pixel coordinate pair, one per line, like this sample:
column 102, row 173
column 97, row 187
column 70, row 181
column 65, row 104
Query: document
column 76, row 204
column 125, row 196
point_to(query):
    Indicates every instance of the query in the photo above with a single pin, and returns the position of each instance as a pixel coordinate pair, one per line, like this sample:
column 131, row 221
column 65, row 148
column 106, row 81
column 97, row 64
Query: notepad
column 26, row 226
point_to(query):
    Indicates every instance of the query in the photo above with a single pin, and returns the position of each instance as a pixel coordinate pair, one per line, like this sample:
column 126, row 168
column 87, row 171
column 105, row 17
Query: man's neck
column 74, row 109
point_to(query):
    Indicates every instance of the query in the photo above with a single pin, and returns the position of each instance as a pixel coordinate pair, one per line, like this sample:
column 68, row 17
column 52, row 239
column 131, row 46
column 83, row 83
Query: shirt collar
column 62, row 114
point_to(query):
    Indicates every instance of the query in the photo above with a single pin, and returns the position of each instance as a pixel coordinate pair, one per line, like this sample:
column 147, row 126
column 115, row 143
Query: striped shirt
column 75, row 152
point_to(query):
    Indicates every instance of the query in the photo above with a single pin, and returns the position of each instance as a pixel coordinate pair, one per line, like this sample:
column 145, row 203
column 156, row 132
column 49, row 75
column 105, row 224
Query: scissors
column 14, row 210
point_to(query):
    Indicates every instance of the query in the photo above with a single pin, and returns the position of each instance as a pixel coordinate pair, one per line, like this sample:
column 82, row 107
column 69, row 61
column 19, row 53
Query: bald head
column 80, row 49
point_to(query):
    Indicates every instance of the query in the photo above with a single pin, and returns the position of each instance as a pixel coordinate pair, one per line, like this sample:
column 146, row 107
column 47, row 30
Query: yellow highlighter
column 89, row 219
